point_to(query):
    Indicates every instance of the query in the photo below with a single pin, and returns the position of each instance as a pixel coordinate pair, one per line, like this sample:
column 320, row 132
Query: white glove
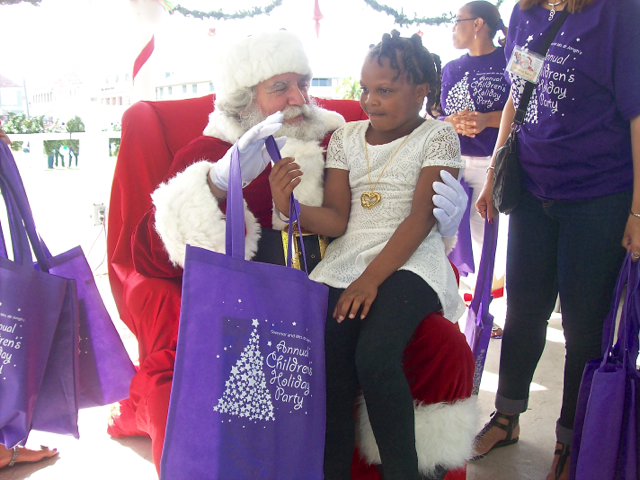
column 451, row 202
column 253, row 154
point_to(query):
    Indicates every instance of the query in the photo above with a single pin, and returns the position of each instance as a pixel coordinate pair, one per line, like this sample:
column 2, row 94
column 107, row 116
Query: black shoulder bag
column 507, row 178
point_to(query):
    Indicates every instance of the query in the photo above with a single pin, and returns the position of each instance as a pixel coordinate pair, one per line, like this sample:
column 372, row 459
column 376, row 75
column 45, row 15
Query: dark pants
column 573, row 248
column 368, row 354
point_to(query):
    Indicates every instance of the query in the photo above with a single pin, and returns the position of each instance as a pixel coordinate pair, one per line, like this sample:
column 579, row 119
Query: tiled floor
column 64, row 221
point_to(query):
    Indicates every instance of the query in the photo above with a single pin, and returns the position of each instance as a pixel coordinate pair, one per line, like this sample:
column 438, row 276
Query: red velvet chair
column 152, row 133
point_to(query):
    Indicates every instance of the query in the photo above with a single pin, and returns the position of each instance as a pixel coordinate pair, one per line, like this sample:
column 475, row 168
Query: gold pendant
column 370, row 199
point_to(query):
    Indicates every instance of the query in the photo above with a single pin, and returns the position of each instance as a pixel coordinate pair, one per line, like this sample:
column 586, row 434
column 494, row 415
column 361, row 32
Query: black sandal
column 565, row 453
column 509, row 427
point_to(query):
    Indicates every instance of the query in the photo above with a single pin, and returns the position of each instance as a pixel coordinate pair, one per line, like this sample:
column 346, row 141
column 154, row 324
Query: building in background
column 100, row 102
column 12, row 97
column 172, row 86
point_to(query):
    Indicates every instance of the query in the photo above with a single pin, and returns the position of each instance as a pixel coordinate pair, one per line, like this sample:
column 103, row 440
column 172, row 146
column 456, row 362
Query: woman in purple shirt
column 474, row 92
column 579, row 147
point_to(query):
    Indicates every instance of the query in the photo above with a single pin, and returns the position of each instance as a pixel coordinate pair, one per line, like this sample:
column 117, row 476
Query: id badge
column 525, row 64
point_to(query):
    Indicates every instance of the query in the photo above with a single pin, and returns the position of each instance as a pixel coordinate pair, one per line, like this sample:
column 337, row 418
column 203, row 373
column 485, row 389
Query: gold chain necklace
column 553, row 6
column 371, row 198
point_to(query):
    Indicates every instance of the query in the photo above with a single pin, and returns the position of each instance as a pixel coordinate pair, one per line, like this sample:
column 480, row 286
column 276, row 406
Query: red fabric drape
column 143, row 57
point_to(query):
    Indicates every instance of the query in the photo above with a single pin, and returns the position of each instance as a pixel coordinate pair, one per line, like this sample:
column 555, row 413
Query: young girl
column 387, row 268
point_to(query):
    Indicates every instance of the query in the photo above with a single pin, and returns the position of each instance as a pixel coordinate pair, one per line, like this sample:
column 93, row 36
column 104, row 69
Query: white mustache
column 295, row 111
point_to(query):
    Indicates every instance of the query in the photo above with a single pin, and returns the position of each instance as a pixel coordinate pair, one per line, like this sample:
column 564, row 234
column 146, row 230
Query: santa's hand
column 451, row 202
column 252, row 153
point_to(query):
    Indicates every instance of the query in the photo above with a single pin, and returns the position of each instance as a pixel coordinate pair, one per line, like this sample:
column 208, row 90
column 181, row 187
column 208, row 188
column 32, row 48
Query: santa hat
column 259, row 57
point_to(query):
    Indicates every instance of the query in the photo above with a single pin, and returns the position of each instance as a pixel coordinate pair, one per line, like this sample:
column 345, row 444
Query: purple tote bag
column 248, row 393
column 35, row 309
column 479, row 320
column 104, row 367
column 605, row 434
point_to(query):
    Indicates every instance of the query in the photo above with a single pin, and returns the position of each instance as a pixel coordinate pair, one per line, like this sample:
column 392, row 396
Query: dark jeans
column 368, row 354
column 573, row 248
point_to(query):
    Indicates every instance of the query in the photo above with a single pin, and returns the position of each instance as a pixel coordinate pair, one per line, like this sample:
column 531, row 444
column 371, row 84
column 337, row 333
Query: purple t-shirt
column 478, row 83
column 575, row 143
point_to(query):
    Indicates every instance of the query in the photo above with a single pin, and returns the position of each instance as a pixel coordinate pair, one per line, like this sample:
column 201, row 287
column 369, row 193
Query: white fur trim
column 256, row 58
column 444, row 434
column 332, row 120
column 223, row 127
column 187, row 213
column 309, row 155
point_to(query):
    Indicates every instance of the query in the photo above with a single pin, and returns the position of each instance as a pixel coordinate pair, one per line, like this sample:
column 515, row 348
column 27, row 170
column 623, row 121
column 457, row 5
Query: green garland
column 403, row 20
column 219, row 15
column 15, row 2
column 399, row 18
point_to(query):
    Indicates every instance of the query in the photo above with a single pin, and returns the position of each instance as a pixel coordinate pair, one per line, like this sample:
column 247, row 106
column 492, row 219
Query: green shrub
column 75, row 125
column 20, row 123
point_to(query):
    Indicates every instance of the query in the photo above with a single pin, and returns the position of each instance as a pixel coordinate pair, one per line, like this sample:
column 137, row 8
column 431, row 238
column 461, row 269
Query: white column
column 147, row 14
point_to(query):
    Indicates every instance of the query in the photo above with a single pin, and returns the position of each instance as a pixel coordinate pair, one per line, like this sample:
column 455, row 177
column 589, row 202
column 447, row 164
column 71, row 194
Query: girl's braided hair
column 408, row 56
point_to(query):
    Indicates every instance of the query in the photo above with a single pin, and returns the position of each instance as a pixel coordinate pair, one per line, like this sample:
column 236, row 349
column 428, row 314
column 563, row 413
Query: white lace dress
column 432, row 143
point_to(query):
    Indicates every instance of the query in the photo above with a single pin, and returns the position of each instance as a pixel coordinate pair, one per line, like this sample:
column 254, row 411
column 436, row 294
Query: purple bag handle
column 20, row 215
column 235, row 209
column 482, row 294
column 294, row 206
column 234, row 234
column 3, row 246
column 19, row 241
column 609, row 327
column 627, row 344
column 626, row 347
column 632, row 326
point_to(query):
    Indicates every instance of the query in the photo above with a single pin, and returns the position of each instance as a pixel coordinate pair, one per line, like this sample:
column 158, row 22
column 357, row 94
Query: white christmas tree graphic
column 246, row 393
column 459, row 98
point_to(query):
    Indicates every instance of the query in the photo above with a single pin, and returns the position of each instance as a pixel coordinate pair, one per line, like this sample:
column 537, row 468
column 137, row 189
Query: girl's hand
column 484, row 204
column 360, row 293
column 284, row 177
column 631, row 237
